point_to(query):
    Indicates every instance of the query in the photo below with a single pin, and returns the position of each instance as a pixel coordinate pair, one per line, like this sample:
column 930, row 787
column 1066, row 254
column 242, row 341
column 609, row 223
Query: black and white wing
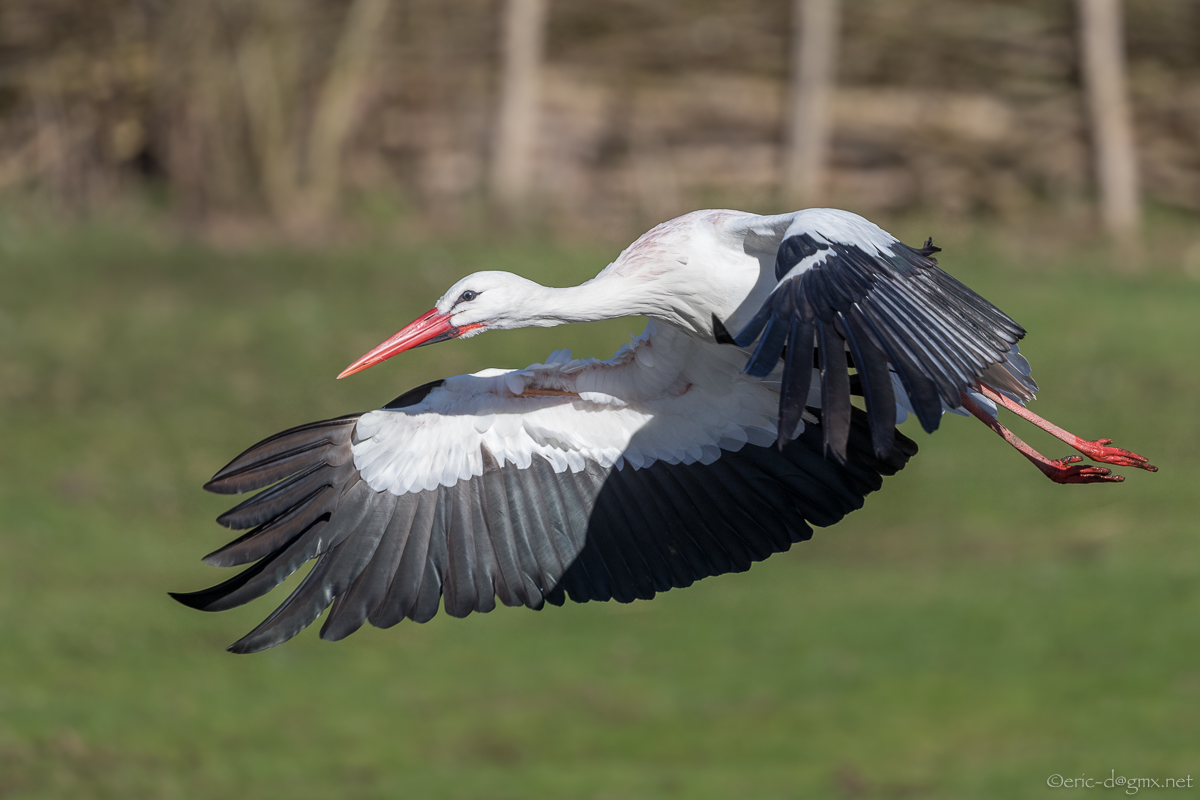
column 530, row 487
column 850, row 295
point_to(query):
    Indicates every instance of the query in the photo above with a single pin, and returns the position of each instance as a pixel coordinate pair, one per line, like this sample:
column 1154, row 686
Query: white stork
column 680, row 457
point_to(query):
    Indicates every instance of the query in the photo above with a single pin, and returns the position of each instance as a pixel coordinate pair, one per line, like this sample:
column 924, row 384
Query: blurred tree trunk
column 517, row 123
column 1103, row 67
column 340, row 99
column 301, row 175
column 267, row 63
column 813, row 62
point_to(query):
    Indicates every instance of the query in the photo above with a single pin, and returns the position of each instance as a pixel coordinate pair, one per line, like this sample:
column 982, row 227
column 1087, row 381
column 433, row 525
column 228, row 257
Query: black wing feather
column 797, row 377
column 401, row 596
column 895, row 312
column 876, row 382
column 835, row 391
column 367, row 591
column 327, row 580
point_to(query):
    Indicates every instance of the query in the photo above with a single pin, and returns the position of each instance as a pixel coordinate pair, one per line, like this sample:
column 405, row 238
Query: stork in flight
column 685, row 455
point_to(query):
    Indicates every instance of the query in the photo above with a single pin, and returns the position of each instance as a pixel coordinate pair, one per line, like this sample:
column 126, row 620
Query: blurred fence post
column 813, row 62
column 1103, row 67
column 517, row 117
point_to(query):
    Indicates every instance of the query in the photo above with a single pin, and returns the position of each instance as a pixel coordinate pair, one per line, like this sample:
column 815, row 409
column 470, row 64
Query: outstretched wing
column 850, row 295
column 459, row 493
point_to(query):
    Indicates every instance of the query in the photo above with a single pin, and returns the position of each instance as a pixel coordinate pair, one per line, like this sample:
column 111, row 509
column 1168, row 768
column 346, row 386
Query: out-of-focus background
column 604, row 115
column 207, row 209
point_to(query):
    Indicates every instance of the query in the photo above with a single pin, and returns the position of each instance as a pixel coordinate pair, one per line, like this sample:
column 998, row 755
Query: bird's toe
column 1100, row 451
column 1068, row 470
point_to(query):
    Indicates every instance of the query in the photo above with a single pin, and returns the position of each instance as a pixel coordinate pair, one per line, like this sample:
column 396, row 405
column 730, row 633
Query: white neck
column 604, row 297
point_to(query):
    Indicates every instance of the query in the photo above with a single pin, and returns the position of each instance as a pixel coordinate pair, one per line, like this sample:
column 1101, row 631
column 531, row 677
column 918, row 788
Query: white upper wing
column 665, row 397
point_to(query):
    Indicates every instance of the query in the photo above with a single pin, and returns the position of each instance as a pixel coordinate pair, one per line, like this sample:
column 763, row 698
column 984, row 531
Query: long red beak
column 428, row 328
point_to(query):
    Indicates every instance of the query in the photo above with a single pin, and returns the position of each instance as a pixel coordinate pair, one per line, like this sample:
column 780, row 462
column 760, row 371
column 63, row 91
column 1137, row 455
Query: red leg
column 1097, row 450
column 1064, row 470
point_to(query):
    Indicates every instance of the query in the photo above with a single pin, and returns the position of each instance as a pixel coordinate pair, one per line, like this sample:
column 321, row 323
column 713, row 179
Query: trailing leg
column 1063, row 470
column 1097, row 450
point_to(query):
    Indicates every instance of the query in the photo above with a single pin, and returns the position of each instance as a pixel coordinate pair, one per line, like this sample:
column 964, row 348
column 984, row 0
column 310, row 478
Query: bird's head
column 479, row 302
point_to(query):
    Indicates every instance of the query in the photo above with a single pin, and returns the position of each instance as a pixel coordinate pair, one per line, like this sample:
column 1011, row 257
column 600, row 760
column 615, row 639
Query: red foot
column 1065, row 470
column 1098, row 451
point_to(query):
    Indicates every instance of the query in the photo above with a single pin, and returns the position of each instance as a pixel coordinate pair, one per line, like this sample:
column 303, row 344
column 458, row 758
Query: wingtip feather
column 194, row 600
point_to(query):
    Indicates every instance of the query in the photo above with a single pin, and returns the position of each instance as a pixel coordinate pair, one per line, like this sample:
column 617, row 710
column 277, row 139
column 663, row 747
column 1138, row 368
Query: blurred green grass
column 972, row 631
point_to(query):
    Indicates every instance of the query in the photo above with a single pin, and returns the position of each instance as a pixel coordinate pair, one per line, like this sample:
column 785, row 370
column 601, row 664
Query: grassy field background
column 974, row 630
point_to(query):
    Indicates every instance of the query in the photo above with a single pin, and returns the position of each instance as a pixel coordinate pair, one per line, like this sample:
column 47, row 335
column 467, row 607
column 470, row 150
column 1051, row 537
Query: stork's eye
column 467, row 296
